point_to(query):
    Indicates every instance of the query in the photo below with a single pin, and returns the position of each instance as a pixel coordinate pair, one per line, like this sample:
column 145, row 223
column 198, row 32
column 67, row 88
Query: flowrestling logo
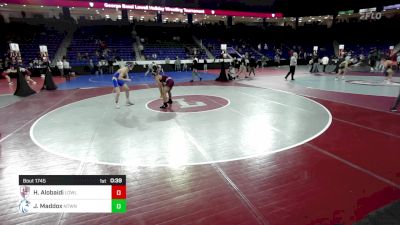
column 370, row 14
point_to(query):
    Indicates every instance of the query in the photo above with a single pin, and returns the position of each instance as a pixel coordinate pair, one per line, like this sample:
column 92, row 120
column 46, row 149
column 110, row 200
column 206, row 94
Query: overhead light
column 325, row 17
column 58, row 7
column 23, row 5
column 102, row 9
column 5, row 4
column 107, row 16
column 41, row 6
column 130, row 10
column 88, row 8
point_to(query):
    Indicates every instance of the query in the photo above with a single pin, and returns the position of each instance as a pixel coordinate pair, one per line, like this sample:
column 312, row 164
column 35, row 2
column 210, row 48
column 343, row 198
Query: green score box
column 118, row 206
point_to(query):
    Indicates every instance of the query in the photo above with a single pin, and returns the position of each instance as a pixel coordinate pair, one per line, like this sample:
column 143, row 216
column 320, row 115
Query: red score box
column 118, row 192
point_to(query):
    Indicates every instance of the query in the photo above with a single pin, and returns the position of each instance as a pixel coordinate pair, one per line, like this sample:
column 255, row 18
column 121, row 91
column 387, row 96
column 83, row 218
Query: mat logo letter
column 185, row 104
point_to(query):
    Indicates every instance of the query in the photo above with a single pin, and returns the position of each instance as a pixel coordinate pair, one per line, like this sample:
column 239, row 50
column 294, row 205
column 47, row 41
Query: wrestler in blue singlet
column 116, row 81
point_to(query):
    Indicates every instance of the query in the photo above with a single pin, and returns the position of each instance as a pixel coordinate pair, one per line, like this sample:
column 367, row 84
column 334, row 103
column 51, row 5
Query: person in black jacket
column 194, row 70
column 252, row 66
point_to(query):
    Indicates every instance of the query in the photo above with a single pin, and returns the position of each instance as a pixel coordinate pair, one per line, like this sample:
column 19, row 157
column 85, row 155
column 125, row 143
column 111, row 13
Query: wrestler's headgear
column 129, row 65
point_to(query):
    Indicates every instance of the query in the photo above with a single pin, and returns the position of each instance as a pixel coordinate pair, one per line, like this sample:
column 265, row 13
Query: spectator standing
column 60, row 67
column 252, row 66
column 293, row 64
column 325, row 61
column 205, row 67
column 177, row 64
column 66, row 69
column 194, row 70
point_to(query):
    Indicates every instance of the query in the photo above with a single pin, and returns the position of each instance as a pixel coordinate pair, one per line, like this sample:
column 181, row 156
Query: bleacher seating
column 87, row 40
column 29, row 44
column 168, row 42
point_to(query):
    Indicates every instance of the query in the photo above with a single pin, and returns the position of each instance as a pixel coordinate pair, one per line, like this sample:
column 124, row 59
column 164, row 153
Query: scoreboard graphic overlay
column 72, row 193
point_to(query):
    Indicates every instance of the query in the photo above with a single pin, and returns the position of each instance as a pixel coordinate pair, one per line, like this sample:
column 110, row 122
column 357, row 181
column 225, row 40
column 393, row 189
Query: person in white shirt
column 60, row 67
column 293, row 64
column 325, row 61
column 150, row 68
column 66, row 69
column 177, row 64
